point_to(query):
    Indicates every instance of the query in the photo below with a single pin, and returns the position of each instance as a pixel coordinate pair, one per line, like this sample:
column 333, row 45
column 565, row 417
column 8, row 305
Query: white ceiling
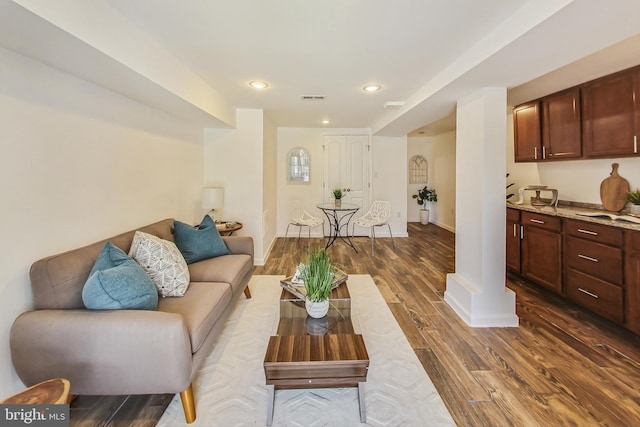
column 330, row 47
column 426, row 53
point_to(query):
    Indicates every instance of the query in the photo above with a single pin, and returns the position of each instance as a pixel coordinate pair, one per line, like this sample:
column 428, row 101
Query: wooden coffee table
column 316, row 353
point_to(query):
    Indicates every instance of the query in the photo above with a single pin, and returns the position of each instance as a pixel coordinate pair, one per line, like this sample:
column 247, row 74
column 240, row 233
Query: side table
column 226, row 228
column 51, row 392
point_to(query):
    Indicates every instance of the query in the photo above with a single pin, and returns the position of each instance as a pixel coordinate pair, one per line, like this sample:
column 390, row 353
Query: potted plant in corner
column 337, row 194
column 424, row 195
column 317, row 274
column 634, row 198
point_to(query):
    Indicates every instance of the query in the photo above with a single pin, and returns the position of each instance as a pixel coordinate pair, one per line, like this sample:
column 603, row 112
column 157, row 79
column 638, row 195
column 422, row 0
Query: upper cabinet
column 561, row 127
column 598, row 119
column 611, row 110
column 549, row 128
column 526, row 129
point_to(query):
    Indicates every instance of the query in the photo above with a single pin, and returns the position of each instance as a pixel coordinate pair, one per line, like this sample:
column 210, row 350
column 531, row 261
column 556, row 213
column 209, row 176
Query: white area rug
column 230, row 388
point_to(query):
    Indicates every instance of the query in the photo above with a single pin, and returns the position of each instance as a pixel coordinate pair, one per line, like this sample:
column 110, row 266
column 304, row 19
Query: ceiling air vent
column 312, row 97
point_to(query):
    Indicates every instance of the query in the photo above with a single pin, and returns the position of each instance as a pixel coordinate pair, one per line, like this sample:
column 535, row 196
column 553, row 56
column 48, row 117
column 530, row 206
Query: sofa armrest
column 239, row 244
column 103, row 352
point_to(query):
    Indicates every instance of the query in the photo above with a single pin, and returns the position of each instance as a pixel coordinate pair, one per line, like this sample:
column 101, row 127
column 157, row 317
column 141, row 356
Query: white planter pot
column 318, row 309
column 424, row 216
column 634, row 209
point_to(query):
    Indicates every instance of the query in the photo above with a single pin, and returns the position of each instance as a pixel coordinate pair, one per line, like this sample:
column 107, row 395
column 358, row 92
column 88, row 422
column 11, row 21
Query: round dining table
column 339, row 218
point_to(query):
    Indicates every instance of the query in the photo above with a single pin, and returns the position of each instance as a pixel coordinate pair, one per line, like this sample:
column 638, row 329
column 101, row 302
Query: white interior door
column 347, row 162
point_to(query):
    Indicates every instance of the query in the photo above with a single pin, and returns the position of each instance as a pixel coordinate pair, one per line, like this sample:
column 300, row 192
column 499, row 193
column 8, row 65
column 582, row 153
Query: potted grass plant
column 317, row 274
column 337, row 195
column 634, row 198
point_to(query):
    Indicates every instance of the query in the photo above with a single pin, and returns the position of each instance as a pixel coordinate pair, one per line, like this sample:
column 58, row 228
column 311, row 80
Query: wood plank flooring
column 562, row 366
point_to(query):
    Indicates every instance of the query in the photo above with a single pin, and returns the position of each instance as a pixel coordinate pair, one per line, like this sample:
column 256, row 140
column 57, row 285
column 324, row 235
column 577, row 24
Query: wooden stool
column 51, row 392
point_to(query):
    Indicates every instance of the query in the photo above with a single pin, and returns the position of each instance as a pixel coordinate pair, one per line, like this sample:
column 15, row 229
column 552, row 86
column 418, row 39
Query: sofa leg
column 247, row 292
column 188, row 404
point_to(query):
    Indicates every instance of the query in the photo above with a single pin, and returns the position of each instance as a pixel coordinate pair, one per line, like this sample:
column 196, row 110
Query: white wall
column 233, row 159
column 309, row 194
column 388, row 174
column 389, row 177
column 440, row 152
column 79, row 163
column 575, row 180
column 270, row 186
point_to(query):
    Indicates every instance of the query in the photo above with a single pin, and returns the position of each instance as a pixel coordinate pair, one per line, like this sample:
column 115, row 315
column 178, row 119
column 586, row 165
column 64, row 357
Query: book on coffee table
column 295, row 286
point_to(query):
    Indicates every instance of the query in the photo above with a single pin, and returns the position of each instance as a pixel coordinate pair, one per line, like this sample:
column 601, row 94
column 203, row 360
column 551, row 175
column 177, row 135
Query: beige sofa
column 117, row 352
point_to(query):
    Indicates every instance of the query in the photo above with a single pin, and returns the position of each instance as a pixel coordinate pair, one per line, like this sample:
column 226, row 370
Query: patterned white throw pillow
column 164, row 263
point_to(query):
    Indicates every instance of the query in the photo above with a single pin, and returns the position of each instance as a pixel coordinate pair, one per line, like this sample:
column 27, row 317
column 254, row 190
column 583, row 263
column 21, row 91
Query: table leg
column 334, row 229
column 270, row 404
column 347, row 217
column 361, row 403
column 336, row 225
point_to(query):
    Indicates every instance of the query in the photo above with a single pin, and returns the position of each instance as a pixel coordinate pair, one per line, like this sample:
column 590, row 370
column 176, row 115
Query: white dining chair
column 299, row 217
column 378, row 215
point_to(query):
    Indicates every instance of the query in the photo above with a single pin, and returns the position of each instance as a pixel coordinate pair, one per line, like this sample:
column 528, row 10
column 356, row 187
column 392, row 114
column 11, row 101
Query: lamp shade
column 212, row 197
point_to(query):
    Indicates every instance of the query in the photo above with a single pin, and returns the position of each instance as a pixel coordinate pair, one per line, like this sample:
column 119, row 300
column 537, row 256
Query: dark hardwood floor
column 562, row 366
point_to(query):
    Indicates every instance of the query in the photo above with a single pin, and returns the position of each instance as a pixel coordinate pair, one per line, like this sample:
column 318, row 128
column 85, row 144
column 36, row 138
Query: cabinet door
column 609, row 108
column 526, row 132
column 541, row 257
column 561, row 126
column 513, row 245
column 632, row 280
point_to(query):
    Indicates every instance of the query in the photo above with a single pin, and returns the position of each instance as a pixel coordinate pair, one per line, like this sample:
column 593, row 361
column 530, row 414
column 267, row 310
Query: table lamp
column 212, row 199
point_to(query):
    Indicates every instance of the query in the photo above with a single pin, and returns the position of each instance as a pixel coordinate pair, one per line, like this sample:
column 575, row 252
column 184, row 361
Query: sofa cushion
column 164, row 263
column 198, row 243
column 230, row 269
column 200, row 308
column 117, row 282
column 57, row 280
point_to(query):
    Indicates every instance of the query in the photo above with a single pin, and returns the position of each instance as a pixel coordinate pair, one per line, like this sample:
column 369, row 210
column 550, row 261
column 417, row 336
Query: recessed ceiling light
column 325, row 122
column 257, row 84
column 372, row 88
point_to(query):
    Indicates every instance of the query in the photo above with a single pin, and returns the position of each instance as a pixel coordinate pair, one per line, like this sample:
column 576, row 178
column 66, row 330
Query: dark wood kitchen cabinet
column 593, row 267
column 541, row 246
column 632, row 280
column 598, row 119
column 526, row 132
column 561, row 126
column 513, row 240
column 611, row 115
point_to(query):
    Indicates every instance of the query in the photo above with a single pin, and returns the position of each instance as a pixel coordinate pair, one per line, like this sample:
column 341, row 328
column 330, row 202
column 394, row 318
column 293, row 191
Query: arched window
column 298, row 170
column 418, row 170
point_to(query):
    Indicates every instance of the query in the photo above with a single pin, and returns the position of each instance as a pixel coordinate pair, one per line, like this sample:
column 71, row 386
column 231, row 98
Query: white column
column 477, row 291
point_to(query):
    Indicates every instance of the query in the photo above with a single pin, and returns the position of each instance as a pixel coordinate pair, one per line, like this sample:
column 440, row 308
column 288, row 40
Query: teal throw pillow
column 117, row 282
column 198, row 243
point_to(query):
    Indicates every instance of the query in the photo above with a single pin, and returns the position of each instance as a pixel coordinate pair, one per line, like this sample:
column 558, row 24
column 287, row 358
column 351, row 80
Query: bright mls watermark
column 34, row 415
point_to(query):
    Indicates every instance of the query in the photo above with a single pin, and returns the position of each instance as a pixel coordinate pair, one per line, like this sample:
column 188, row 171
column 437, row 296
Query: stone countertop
column 568, row 211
